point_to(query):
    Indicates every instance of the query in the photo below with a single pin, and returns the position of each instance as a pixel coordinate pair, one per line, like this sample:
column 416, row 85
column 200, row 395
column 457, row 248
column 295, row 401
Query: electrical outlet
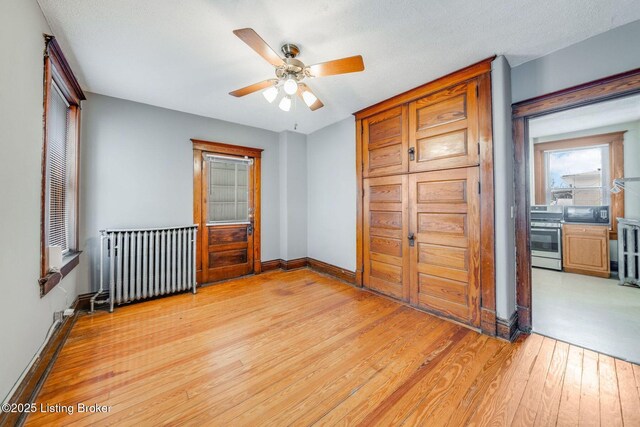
column 57, row 316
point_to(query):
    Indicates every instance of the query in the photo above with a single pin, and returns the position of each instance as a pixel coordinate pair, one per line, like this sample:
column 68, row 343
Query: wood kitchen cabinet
column 585, row 249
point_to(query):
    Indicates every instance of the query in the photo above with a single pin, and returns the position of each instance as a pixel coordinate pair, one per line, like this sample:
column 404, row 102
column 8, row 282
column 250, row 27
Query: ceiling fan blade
column 255, row 42
column 351, row 64
column 253, row 88
column 304, row 88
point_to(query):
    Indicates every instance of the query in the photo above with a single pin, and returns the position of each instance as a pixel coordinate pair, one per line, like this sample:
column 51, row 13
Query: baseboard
column 507, row 329
column 314, row 264
column 84, row 301
column 271, row 265
column 332, row 270
column 293, row 264
column 30, row 386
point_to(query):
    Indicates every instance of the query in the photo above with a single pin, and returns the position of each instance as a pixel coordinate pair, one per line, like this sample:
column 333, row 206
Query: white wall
column 293, row 195
column 24, row 316
column 504, row 188
column 606, row 54
column 137, row 170
column 332, row 194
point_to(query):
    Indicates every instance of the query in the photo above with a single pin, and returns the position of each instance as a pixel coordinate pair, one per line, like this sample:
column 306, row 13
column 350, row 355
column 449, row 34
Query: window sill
column 50, row 280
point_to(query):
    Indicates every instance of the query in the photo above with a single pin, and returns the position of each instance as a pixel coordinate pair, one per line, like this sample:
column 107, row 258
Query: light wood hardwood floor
column 299, row 348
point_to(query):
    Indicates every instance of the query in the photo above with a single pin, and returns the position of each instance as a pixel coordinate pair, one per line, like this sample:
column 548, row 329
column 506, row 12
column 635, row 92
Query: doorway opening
column 579, row 217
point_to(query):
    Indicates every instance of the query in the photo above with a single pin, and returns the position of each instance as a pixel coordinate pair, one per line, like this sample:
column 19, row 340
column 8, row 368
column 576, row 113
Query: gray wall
column 332, row 194
column 293, row 195
column 609, row 53
column 24, row 316
column 137, row 171
column 504, row 188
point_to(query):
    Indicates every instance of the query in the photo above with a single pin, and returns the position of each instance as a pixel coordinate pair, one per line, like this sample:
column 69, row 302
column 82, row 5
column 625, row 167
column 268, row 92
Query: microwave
column 587, row 214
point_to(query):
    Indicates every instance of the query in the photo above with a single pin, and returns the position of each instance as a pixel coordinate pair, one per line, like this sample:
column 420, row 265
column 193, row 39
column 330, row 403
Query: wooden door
column 386, row 250
column 445, row 259
column 228, row 206
column 385, row 143
column 585, row 249
column 443, row 129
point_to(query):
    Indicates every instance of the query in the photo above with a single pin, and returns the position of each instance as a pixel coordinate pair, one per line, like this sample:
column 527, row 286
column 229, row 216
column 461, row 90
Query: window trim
column 57, row 69
column 615, row 142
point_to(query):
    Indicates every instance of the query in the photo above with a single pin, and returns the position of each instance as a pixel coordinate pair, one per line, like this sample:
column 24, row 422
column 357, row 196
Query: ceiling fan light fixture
column 285, row 103
column 270, row 94
column 309, row 98
column 290, row 72
column 290, row 86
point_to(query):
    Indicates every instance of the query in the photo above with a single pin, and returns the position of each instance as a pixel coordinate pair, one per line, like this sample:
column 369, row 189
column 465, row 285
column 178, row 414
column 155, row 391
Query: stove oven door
column 546, row 242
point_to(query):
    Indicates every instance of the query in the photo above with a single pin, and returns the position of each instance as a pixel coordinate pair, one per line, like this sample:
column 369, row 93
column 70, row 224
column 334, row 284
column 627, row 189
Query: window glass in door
column 228, row 191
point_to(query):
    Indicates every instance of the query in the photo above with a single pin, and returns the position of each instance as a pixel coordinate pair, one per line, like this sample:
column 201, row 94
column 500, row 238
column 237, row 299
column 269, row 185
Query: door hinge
column 478, row 148
column 363, row 192
column 477, row 91
column 479, row 189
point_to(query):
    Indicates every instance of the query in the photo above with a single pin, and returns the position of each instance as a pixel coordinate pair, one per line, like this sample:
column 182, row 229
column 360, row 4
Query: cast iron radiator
column 629, row 251
column 149, row 262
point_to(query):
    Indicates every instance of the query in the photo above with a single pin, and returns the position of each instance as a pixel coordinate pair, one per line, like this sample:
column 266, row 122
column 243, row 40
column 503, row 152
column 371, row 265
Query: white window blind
column 59, row 171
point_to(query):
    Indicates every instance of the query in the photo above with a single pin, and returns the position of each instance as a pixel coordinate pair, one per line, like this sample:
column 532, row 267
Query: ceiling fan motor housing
column 292, row 67
column 290, row 50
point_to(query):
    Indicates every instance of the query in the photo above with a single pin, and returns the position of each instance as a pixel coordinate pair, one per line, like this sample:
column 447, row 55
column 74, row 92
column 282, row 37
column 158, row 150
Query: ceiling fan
column 290, row 72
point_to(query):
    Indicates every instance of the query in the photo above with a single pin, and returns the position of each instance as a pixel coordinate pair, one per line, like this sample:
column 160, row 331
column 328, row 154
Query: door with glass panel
column 228, row 206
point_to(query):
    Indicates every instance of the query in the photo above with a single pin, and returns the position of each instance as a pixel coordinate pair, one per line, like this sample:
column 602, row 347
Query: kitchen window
column 577, row 176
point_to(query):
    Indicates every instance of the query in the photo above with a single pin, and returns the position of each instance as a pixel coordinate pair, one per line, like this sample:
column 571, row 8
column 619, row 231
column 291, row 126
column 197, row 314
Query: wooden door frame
column 481, row 71
column 616, row 86
column 200, row 146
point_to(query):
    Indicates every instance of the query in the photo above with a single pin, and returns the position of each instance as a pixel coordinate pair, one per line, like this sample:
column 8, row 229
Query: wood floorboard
column 590, row 391
column 526, row 413
column 300, row 348
column 547, row 413
column 610, row 411
column 569, row 410
column 629, row 399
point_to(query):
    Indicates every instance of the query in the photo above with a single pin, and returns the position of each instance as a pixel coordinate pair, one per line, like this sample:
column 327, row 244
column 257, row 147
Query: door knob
column 412, row 239
column 412, row 153
column 250, row 229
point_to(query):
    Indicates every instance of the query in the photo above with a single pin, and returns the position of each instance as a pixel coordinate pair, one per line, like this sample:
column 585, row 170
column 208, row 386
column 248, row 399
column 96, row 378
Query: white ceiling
column 183, row 55
column 617, row 111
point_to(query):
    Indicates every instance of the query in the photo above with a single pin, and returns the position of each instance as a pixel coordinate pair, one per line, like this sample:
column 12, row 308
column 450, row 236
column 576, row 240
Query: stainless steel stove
column 546, row 236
